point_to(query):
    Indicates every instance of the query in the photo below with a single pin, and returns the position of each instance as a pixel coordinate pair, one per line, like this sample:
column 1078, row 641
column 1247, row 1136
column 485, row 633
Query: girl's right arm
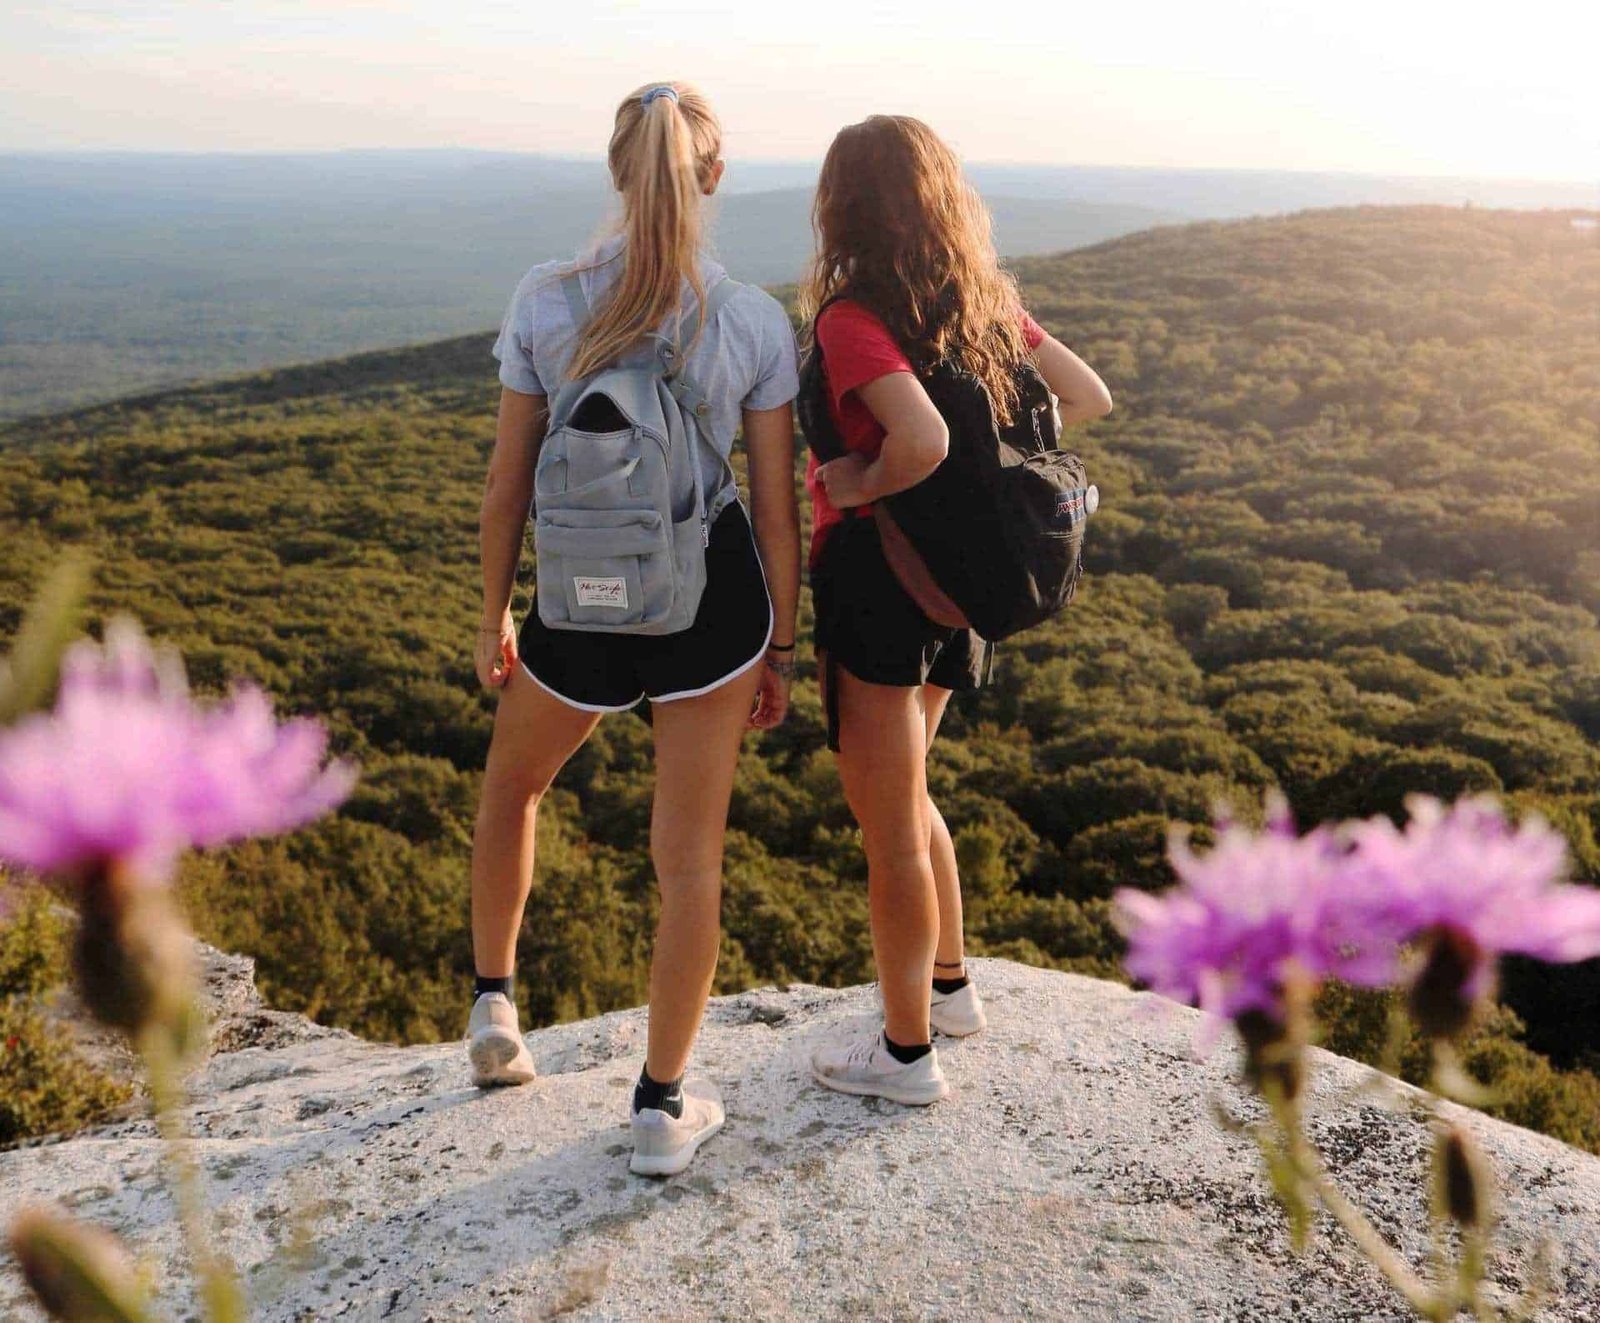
column 915, row 442
column 769, row 443
column 1083, row 395
column 507, row 495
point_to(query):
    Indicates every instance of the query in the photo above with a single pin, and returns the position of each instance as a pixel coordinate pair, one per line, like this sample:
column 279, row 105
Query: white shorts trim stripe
column 573, row 702
column 761, row 653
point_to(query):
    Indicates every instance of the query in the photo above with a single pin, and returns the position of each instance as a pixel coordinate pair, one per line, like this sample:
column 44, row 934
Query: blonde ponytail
column 663, row 156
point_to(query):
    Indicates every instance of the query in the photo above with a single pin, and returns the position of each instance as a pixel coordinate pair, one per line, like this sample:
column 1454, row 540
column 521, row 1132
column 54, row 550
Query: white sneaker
column 865, row 1067
column 957, row 1013
column 494, row 1043
column 663, row 1144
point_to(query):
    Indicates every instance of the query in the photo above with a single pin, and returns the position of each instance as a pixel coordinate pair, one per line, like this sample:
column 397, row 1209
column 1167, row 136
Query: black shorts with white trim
column 614, row 672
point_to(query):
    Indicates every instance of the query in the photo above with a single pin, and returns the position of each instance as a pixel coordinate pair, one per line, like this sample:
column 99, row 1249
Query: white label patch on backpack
column 602, row 592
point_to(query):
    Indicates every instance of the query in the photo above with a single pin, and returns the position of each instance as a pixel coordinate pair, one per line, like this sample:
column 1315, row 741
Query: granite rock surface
column 1077, row 1172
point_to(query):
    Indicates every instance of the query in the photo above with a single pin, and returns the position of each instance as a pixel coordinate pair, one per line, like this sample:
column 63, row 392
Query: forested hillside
column 1349, row 545
column 245, row 262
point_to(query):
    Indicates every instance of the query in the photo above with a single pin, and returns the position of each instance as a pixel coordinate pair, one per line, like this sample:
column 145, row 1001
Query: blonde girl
column 707, row 685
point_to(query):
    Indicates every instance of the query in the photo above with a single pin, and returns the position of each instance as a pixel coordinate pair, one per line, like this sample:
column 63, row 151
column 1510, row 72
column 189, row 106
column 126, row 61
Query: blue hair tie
column 656, row 93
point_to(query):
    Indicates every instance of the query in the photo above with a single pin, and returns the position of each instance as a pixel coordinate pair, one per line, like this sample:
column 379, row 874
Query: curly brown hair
column 901, row 231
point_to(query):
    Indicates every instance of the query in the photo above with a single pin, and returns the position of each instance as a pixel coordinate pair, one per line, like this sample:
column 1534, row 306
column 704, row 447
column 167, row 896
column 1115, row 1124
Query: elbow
column 1098, row 405
column 934, row 447
column 910, row 455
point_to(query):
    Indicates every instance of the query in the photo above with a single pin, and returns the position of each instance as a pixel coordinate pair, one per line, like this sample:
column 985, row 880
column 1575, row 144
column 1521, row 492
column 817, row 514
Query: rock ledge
column 1076, row 1173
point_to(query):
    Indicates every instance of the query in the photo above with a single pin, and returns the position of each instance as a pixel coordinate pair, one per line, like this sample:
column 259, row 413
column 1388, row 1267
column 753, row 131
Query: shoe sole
column 906, row 1097
column 494, row 1057
column 958, row 1028
column 670, row 1164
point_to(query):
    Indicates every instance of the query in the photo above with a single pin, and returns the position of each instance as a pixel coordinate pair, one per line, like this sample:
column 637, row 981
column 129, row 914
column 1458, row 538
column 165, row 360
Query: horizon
column 794, row 162
column 198, row 231
column 1372, row 88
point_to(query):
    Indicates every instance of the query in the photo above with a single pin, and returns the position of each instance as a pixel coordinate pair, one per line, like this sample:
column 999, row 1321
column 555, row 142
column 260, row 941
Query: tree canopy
column 1349, row 547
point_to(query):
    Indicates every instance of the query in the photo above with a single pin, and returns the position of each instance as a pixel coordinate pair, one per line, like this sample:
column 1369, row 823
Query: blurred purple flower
column 1466, row 871
column 128, row 768
column 1246, row 915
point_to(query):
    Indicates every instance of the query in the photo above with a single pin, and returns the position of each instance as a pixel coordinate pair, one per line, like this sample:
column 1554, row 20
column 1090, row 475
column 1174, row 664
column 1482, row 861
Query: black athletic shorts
column 612, row 672
column 868, row 624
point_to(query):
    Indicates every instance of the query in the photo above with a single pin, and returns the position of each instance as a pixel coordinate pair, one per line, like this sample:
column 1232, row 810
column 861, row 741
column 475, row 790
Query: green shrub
column 46, row 1087
column 33, row 944
column 1524, row 1087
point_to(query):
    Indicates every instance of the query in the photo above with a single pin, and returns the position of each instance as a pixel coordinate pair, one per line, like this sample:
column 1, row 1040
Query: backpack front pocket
column 603, row 569
column 593, row 471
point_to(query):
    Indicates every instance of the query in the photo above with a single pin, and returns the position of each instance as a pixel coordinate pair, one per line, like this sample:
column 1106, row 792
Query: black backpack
column 992, row 539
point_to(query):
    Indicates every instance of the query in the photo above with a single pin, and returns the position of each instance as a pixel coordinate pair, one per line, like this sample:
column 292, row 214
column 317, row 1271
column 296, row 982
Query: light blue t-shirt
column 744, row 360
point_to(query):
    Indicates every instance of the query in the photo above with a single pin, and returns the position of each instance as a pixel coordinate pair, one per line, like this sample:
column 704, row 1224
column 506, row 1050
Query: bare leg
column 951, row 951
column 697, row 752
column 534, row 735
column 883, row 765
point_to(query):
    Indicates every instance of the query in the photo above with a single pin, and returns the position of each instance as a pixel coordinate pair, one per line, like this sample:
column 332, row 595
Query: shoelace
column 860, row 1053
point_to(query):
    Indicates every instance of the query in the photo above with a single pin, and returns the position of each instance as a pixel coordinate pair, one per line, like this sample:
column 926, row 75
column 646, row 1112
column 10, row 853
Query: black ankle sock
column 491, row 985
column 949, row 985
column 666, row 1098
column 906, row 1055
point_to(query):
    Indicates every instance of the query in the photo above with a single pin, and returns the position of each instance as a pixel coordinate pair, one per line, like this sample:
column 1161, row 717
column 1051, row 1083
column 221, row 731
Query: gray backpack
column 621, row 515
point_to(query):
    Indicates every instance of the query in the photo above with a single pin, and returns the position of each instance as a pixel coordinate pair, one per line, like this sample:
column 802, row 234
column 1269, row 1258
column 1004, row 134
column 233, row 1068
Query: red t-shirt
column 857, row 348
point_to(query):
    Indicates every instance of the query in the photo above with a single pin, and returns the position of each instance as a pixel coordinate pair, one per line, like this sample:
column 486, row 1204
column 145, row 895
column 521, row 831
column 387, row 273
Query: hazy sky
column 1390, row 86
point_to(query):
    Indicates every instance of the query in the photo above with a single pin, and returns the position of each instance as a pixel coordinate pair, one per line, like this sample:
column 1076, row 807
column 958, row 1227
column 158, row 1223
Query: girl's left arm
column 769, row 441
column 507, row 495
column 1083, row 395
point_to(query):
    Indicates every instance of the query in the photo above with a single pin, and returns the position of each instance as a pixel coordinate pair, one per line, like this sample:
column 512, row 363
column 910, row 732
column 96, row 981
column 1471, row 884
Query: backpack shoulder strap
column 684, row 388
column 577, row 304
column 718, row 295
column 697, row 405
column 568, row 394
column 667, row 344
column 811, row 405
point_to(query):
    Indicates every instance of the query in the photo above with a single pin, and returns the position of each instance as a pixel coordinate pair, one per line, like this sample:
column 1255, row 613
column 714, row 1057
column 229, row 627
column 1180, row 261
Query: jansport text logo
column 1071, row 506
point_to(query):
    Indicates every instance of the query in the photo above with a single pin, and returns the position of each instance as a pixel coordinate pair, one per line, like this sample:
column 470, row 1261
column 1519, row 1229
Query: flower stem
column 1461, row 1189
column 1469, row 1286
column 219, row 1288
column 1357, row 1226
column 1300, row 1152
